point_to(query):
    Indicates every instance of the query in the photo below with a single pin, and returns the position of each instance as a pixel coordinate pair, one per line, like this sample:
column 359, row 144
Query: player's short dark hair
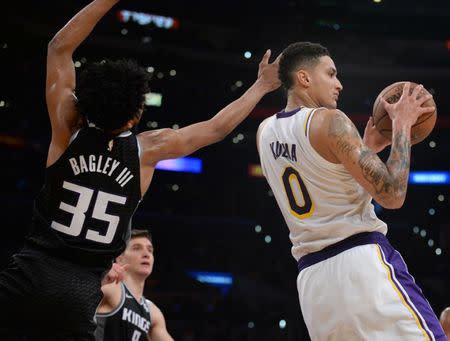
column 296, row 55
column 110, row 93
column 137, row 233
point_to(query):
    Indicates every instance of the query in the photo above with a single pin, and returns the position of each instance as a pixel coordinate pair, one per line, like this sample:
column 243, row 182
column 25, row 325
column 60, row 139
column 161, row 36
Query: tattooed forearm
column 375, row 172
column 399, row 160
column 400, row 157
column 392, row 178
column 389, row 181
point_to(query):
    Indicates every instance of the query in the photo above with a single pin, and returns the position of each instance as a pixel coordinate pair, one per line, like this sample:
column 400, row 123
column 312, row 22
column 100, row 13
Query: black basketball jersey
column 84, row 210
column 130, row 321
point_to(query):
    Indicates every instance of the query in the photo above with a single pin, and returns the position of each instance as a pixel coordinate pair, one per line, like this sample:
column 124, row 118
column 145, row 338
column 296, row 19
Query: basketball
column 424, row 124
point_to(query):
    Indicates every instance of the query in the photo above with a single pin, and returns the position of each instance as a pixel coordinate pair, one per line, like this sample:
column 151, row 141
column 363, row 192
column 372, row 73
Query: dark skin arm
column 60, row 82
column 161, row 144
column 168, row 143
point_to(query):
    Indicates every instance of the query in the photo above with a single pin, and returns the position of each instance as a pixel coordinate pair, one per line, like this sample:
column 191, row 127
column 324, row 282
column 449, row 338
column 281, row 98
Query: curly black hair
column 110, row 93
column 299, row 54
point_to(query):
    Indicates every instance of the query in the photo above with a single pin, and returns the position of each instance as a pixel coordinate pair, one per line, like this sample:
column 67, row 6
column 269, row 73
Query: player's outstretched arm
column 60, row 82
column 386, row 182
column 168, row 143
column 112, row 293
column 158, row 330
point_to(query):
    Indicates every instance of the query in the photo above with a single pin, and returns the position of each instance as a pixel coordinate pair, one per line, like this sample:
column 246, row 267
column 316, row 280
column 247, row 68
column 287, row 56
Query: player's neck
column 136, row 285
column 298, row 99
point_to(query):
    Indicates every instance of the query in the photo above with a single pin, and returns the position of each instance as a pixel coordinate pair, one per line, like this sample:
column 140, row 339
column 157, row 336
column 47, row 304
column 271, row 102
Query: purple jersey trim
column 284, row 114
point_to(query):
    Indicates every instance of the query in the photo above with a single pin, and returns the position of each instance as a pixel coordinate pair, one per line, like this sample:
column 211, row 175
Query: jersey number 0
column 292, row 181
column 99, row 212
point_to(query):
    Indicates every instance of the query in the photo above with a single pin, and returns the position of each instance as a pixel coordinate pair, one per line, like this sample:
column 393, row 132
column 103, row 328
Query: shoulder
column 155, row 313
column 329, row 114
column 264, row 122
column 260, row 129
column 153, row 143
column 332, row 122
column 155, row 133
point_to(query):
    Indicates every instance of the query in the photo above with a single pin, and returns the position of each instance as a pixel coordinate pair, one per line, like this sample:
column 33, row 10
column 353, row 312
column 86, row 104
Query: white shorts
column 361, row 290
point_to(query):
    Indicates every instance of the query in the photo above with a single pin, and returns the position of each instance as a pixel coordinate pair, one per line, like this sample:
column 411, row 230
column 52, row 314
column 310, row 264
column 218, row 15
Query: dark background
column 209, row 223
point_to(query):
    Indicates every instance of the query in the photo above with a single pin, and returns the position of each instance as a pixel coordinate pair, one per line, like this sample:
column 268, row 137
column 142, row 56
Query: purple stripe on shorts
column 411, row 292
column 405, row 283
column 332, row 250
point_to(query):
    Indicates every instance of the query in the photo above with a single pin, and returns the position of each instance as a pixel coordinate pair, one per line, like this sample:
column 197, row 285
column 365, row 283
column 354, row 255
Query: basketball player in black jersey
column 97, row 172
column 124, row 314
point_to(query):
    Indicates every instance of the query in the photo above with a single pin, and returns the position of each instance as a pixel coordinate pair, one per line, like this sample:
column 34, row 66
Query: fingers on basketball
column 406, row 89
column 390, row 95
column 417, row 91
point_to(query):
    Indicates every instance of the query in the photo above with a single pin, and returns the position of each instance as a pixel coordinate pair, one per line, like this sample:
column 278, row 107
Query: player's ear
column 130, row 124
column 303, row 78
column 119, row 259
column 134, row 121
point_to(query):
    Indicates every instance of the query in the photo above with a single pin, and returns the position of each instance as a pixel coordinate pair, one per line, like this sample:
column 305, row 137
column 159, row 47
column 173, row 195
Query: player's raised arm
column 60, row 82
column 386, row 182
column 167, row 143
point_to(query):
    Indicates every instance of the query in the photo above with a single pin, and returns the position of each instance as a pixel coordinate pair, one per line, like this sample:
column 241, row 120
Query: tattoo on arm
column 390, row 178
column 400, row 159
column 344, row 133
column 376, row 172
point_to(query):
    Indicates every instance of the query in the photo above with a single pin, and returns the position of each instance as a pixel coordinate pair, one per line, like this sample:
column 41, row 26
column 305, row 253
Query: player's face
column 326, row 86
column 139, row 256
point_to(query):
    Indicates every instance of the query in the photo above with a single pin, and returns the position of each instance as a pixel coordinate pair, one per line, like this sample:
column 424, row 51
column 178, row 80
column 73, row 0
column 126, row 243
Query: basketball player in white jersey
column 124, row 314
column 352, row 284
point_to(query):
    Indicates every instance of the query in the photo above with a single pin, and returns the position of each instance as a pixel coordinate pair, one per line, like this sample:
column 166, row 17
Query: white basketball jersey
column 320, row 201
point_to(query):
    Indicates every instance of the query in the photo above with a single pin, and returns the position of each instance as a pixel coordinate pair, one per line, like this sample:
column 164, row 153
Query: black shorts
column 46, row 298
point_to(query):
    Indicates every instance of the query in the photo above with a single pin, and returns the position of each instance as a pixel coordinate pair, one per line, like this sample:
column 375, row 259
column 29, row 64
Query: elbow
column 56, row 46
column 392, row 205
column 392, row 202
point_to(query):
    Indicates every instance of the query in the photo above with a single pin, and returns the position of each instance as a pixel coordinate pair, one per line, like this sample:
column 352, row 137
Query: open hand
column 409, row 107
column 373, row 138
column 268, row 72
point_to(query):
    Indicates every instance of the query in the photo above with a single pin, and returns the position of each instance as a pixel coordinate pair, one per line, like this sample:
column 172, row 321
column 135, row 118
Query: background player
column 95, row 177
column 352, row 284
column 124, row 313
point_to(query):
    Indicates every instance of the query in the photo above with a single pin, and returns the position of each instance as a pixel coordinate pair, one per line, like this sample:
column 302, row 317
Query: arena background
column 224, row 221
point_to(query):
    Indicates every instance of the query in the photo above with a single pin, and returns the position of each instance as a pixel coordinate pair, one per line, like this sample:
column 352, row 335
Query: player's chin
column 145, row 269
column 331, row 105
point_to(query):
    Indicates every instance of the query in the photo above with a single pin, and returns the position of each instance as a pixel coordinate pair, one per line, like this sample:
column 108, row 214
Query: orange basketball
column 424, row 124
